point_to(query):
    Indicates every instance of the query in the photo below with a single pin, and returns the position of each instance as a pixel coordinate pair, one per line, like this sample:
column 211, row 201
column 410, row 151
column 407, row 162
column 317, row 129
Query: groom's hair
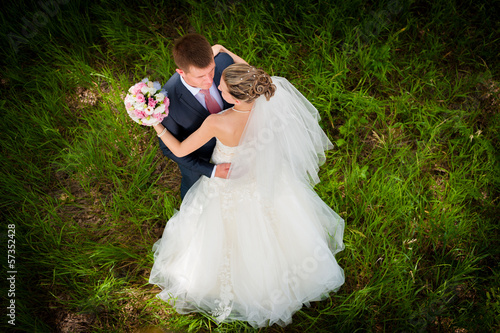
column 192, row 50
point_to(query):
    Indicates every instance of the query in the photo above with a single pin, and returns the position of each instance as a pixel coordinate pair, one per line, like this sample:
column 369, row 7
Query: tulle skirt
column 234, row 255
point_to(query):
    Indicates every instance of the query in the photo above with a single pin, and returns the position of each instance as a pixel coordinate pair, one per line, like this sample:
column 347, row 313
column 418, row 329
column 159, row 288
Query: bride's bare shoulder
column 219, row 120
column 224, row 122
column 227, row 127
column 223, row 116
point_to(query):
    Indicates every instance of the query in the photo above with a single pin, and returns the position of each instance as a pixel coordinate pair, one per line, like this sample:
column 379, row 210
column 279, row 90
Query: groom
column 194, row 95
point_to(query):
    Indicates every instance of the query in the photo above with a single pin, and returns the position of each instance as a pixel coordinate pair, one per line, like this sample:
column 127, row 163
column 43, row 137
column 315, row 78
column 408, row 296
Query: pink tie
column 210, row 102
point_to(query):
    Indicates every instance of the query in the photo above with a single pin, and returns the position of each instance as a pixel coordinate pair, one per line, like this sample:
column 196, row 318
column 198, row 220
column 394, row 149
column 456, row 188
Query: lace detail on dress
column 224, row 303
column 222, row 153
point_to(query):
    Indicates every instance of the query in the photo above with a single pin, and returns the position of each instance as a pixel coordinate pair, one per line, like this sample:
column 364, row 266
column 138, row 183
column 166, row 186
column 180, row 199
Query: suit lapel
column 189, row 101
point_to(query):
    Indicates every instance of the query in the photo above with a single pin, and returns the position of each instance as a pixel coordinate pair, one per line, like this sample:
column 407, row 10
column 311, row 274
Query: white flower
column 160, row 97
column 160, row 109
column 130, row 99
column 148, row 91
column 150, row 121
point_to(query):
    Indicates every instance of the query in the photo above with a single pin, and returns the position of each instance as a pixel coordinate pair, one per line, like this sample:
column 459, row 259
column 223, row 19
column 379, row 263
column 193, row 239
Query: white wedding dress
column 240, row 250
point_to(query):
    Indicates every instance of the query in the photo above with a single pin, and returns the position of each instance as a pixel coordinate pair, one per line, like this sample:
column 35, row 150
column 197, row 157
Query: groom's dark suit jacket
column 185, row 116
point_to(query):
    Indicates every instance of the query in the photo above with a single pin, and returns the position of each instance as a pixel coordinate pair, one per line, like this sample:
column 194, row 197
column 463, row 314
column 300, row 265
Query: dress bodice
column 223, row 153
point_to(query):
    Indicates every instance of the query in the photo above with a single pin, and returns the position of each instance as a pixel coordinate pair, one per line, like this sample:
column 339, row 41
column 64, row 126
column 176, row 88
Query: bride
column 259, row 245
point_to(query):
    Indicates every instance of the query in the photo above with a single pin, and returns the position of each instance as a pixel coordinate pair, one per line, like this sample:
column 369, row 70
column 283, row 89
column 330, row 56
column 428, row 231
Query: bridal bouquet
column 146, row 103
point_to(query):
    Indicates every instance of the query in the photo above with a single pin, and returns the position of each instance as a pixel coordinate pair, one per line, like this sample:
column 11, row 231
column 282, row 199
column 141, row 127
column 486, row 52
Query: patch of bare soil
column 68, row 322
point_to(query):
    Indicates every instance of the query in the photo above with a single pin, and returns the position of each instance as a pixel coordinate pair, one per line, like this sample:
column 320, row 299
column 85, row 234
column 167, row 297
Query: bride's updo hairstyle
column 246, row 83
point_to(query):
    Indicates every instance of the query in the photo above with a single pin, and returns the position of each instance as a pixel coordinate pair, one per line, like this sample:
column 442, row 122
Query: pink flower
column 166, row 101
column 137, row 88
column 140, row 98
column 159, row 116
column 140, row 114
column 152, row 102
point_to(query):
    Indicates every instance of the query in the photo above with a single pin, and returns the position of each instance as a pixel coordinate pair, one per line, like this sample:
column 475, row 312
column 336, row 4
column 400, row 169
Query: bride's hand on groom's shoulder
column 217, row 48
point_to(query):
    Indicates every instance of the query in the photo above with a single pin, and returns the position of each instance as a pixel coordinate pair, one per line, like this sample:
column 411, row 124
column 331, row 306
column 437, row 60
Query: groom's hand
column 221, row 170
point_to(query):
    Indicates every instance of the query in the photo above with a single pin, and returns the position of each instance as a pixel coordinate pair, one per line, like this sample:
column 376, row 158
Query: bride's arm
column 201, row 136
column 217, row 48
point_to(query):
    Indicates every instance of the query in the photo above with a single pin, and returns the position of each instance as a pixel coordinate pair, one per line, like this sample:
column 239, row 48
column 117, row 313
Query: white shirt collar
column 192, row 90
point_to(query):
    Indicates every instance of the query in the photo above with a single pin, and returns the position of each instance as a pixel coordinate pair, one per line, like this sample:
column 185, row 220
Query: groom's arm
column 193, row 163
column 190, row 161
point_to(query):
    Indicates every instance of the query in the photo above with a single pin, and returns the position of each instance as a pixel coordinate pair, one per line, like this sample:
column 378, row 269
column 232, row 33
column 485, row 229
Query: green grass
column 409, row 92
